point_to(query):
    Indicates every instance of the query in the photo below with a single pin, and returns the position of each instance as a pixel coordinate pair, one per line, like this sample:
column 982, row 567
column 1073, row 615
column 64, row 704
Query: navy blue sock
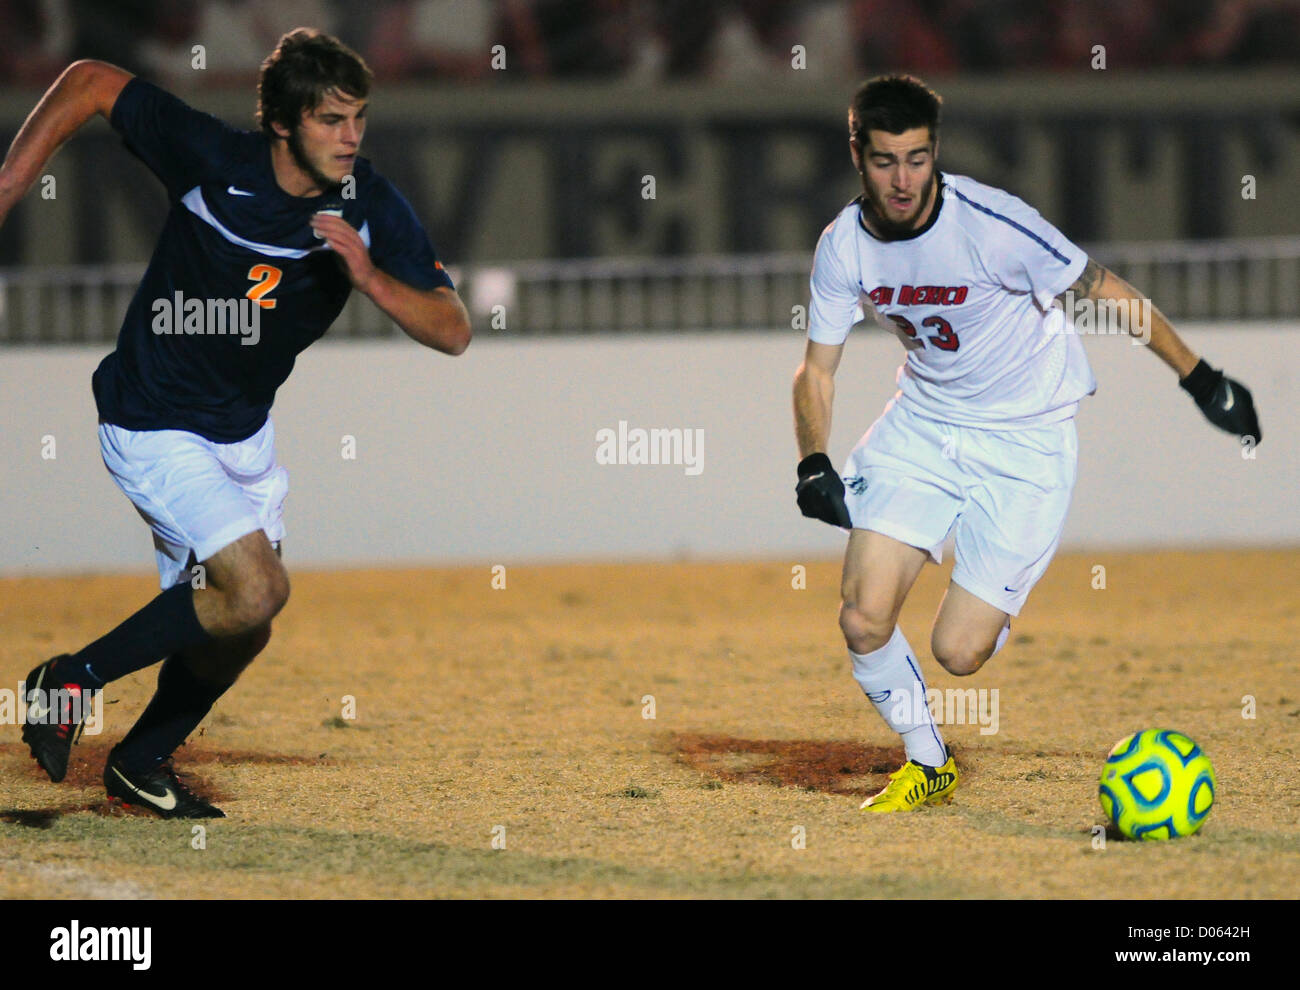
column 167, row 625
column 177, row 708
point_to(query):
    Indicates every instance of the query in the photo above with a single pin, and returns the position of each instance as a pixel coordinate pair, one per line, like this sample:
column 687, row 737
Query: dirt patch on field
column 831, row 766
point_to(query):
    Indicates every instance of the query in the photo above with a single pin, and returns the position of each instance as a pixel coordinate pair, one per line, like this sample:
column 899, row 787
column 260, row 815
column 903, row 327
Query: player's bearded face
column 898, row 179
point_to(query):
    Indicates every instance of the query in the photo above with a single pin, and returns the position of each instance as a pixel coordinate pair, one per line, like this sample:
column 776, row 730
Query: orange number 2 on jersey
column 267, row 278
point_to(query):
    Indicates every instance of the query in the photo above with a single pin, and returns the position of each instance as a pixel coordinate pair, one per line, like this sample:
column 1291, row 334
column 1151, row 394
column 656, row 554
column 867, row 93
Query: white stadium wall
column 492, row 457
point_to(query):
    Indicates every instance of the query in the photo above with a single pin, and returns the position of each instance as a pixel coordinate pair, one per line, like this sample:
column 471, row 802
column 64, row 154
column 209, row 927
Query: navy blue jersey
column 234, row 236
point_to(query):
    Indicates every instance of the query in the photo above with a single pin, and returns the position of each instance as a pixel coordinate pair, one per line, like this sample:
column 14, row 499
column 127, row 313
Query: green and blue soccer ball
column 1157, row 784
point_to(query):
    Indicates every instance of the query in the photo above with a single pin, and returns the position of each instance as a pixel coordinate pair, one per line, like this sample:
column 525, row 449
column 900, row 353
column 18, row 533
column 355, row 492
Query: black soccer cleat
column 56, row 715
column 159, row 790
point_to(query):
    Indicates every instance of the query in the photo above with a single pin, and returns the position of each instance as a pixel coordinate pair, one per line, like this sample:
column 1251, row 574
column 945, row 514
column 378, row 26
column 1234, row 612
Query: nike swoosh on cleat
column 1231, row 400
column 238, row 192
column 166, row 804
column 35, row 713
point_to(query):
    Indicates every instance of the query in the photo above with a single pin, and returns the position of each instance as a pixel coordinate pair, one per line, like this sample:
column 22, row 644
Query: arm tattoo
column 1086, row 284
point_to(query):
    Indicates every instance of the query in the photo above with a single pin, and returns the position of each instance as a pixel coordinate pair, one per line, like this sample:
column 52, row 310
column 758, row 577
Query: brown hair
column 305, row 67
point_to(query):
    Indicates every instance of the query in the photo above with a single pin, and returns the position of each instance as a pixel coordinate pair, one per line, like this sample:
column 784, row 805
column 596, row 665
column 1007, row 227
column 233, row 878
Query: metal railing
column 1220, row 280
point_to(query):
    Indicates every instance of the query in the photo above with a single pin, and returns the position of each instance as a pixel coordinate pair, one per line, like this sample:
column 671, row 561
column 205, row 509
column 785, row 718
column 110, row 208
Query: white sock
column 892, row 681
column 1002, row 639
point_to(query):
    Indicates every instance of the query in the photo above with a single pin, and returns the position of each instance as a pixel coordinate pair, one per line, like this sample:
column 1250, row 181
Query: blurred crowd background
column 424, row 40
column 547, row 161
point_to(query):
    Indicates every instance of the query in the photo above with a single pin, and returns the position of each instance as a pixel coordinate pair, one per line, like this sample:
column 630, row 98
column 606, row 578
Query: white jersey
column 970, row 296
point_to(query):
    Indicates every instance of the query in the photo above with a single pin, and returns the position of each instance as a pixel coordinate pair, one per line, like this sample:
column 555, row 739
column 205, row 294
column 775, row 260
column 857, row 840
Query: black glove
column 821, row 492
column 1226, row 403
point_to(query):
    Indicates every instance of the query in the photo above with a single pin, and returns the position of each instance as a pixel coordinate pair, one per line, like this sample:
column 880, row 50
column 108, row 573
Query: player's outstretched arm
column 84, row 89
column 434, row 317
column 1098, row 282
column 820, row 491
column 1225, row 402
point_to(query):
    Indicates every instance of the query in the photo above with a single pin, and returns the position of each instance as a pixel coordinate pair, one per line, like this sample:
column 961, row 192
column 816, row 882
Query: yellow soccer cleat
column 914, row 785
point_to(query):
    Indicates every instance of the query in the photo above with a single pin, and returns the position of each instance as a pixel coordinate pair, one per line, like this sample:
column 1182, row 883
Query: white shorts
column 197, row 496
column 1006, row 492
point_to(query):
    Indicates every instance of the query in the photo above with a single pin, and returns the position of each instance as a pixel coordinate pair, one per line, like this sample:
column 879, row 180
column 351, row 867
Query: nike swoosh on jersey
column 166, row 803
column 237, row 192
column 1231, row 401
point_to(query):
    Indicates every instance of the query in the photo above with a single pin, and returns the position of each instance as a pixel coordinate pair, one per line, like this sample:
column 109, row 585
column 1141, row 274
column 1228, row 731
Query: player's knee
column 273, row 596
column 277, row 593
column 866, row 628
column 258, row 599
column 960, row 657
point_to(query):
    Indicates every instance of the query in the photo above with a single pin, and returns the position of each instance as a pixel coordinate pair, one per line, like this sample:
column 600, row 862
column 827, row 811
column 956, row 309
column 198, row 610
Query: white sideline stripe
column 196, row 204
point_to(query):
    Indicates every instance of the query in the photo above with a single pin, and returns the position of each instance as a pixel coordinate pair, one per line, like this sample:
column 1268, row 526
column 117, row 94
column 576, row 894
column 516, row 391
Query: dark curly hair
column 305, row 67
column 893, row 104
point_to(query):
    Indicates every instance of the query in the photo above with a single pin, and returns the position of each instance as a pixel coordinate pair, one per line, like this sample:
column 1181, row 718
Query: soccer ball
column 1157, row 784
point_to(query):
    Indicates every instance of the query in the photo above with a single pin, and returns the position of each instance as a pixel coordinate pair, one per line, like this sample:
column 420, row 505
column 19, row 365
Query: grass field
column 516, row 716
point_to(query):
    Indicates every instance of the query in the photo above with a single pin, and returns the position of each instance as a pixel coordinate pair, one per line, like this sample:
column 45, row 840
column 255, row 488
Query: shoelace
column 167, row 771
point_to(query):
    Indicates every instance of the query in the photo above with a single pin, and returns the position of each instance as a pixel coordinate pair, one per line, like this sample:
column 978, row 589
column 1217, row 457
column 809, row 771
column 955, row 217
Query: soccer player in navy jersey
column 267, row 234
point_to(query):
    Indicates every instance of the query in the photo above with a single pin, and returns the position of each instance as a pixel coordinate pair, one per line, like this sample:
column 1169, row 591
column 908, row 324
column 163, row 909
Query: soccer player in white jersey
column 979, row 440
